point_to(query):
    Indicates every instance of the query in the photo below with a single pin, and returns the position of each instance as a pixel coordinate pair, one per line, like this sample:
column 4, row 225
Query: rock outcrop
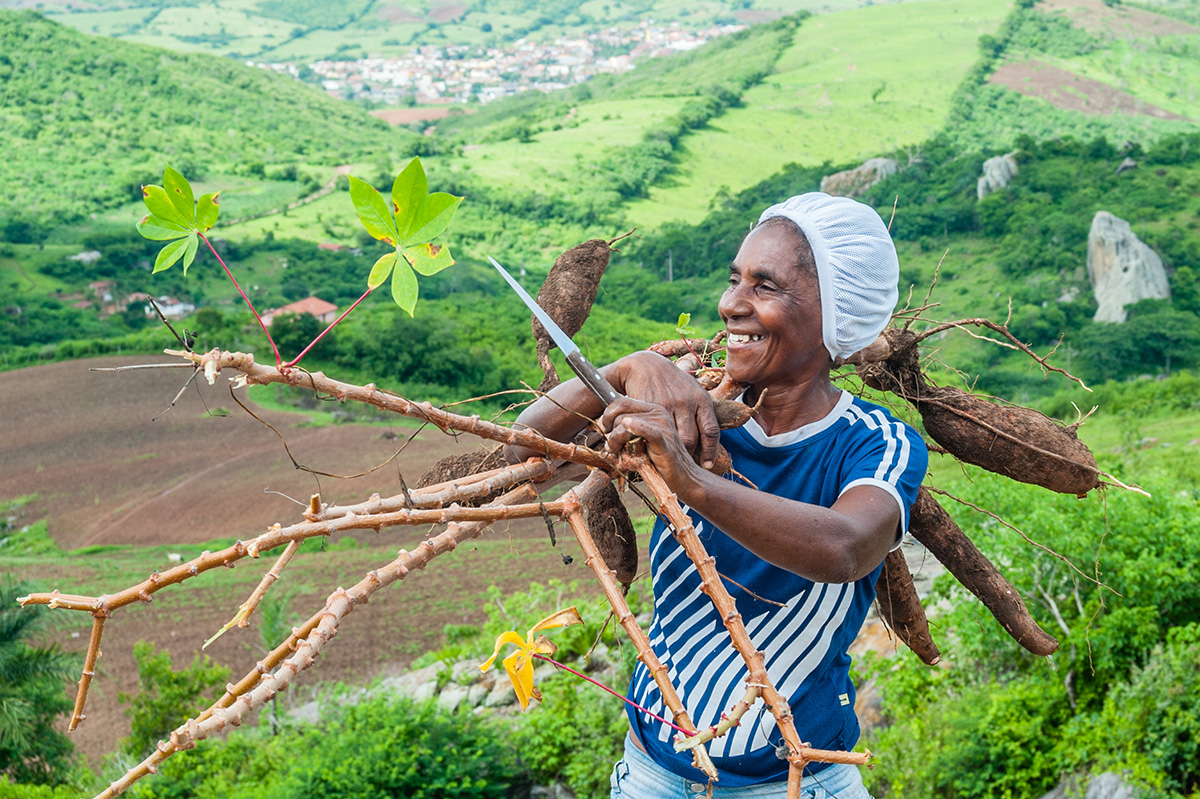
column 854, row 182
column 1121, row 268
column 1103, row 786
column 997, row 172
column 1126, row 165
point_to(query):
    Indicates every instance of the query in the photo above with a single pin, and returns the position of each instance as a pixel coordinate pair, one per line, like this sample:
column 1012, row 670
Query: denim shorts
column 636, row 776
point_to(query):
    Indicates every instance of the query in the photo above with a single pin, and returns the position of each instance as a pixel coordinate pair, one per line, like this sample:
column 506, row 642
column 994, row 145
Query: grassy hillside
column 850, row 87
column 283, row 30
column 88, row 120
column 1054, row 71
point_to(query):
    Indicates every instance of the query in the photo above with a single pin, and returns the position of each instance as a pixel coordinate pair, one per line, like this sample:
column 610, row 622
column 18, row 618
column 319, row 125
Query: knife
column 580, row 365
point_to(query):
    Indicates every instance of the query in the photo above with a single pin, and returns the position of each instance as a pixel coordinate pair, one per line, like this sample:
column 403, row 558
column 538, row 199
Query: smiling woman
column 824, row 486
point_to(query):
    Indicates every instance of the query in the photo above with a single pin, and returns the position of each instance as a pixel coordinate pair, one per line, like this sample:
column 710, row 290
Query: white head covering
column 857, row 267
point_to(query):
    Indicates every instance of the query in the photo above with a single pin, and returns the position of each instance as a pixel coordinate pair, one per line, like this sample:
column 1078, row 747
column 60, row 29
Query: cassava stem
column 712, row 586
column 260, row 685
column 624, row 616
column 215, row 360
column 242, row 617
column 89, row 669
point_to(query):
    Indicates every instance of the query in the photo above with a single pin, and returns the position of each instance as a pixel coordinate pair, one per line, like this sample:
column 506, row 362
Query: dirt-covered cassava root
column 613, row 532
column 567, row 296
column 900, row 608
column 932, row 526
column 1016, row 442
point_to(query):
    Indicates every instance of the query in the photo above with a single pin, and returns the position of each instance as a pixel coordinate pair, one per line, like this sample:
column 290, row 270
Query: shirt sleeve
column 888, row 454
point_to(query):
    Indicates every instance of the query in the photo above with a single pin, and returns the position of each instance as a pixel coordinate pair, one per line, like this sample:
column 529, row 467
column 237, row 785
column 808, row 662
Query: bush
column 32, row 698
column 168, row 697
column 384, row 746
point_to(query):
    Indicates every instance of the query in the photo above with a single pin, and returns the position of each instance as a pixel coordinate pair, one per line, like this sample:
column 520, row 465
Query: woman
column 825, row 482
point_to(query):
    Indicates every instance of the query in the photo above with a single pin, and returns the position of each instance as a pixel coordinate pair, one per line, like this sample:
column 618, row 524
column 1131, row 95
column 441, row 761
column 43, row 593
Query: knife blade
column 579, row 364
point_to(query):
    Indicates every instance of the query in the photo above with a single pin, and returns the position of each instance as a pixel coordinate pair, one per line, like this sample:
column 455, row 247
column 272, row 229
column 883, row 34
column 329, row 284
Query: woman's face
column 772, row 310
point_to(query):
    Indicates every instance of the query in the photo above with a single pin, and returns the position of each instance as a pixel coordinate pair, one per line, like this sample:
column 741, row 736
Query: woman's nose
column 733, row 303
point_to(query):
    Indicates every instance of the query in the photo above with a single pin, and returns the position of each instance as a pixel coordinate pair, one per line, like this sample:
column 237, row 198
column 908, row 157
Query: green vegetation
column 168, row 697
column 32, row 748
column 690, row 148
column 130, row 107
column 848, row 88
column 1120, row 693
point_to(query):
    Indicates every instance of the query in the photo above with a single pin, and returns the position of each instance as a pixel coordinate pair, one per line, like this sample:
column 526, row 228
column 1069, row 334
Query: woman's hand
column 627, row 418
column 651, row 378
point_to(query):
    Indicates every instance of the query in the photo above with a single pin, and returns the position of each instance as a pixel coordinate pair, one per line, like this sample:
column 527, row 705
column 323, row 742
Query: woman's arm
column 832, row 545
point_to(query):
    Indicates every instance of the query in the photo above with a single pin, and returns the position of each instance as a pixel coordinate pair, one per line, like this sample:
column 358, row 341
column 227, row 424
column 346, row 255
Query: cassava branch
column 714, row 588
column 442, row 494
column 616, row 598
column 275, row 672
column 103, row 606
column 215, row 360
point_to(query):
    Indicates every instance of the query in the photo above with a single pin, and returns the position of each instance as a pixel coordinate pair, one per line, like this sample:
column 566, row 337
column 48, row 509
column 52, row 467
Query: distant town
column 464, row 74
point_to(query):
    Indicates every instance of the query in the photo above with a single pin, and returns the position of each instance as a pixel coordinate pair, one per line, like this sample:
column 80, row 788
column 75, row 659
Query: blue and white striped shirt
column 804, row 629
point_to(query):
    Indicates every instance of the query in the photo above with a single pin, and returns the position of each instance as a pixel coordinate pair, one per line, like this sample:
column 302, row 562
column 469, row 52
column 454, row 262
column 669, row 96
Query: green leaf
column 207, row 210
column 157, row 229
column 429, row 259
column 433, row 217
column 381, row 270
column 408, row 193
column 179, row 191
column 168, row 255
column 160, row 205
column 189, row 255
column 373, row 211
column 404, row 286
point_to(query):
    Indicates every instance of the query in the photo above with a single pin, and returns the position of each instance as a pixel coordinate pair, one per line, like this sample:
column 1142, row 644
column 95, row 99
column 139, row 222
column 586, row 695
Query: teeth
column 741, row 338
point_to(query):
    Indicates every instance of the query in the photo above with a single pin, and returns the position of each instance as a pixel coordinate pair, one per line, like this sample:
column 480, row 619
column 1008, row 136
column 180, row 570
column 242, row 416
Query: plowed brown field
column 83, row 441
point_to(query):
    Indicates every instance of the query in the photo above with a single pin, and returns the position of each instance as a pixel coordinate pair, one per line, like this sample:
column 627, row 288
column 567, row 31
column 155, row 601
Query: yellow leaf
column 520, row 673
column 509, row 637
column 563, row 618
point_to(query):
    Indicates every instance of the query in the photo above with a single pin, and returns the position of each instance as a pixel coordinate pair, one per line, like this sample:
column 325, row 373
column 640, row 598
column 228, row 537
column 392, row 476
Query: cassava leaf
column 168, row 255
column 179, row 192
column 207, row 210
column 381, row 270
column 189, row 254
column 429, row 259
column 373, row 211
column 159, row 204
column 408, row 192
column 158, row 229
column 433, row 217
column 404, row 286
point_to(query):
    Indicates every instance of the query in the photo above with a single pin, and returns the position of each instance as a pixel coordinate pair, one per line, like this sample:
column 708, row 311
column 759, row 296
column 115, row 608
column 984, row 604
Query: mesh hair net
column 857, row 267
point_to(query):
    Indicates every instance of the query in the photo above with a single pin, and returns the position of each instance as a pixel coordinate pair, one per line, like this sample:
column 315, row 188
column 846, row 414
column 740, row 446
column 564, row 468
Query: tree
column 31, row 696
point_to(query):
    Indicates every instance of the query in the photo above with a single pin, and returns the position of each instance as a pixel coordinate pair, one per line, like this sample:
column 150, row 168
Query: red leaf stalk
column 278, row 358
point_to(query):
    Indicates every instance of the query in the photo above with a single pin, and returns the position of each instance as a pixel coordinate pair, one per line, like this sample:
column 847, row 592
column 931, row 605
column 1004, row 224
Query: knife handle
column 592, row 378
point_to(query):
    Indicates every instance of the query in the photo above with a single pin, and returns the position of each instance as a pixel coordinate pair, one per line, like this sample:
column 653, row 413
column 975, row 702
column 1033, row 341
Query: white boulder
column 1121, row 268
column 998, row 171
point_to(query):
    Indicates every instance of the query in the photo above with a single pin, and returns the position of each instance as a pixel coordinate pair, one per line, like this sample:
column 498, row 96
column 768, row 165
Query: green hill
column 86, row 121
column 301, row 30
